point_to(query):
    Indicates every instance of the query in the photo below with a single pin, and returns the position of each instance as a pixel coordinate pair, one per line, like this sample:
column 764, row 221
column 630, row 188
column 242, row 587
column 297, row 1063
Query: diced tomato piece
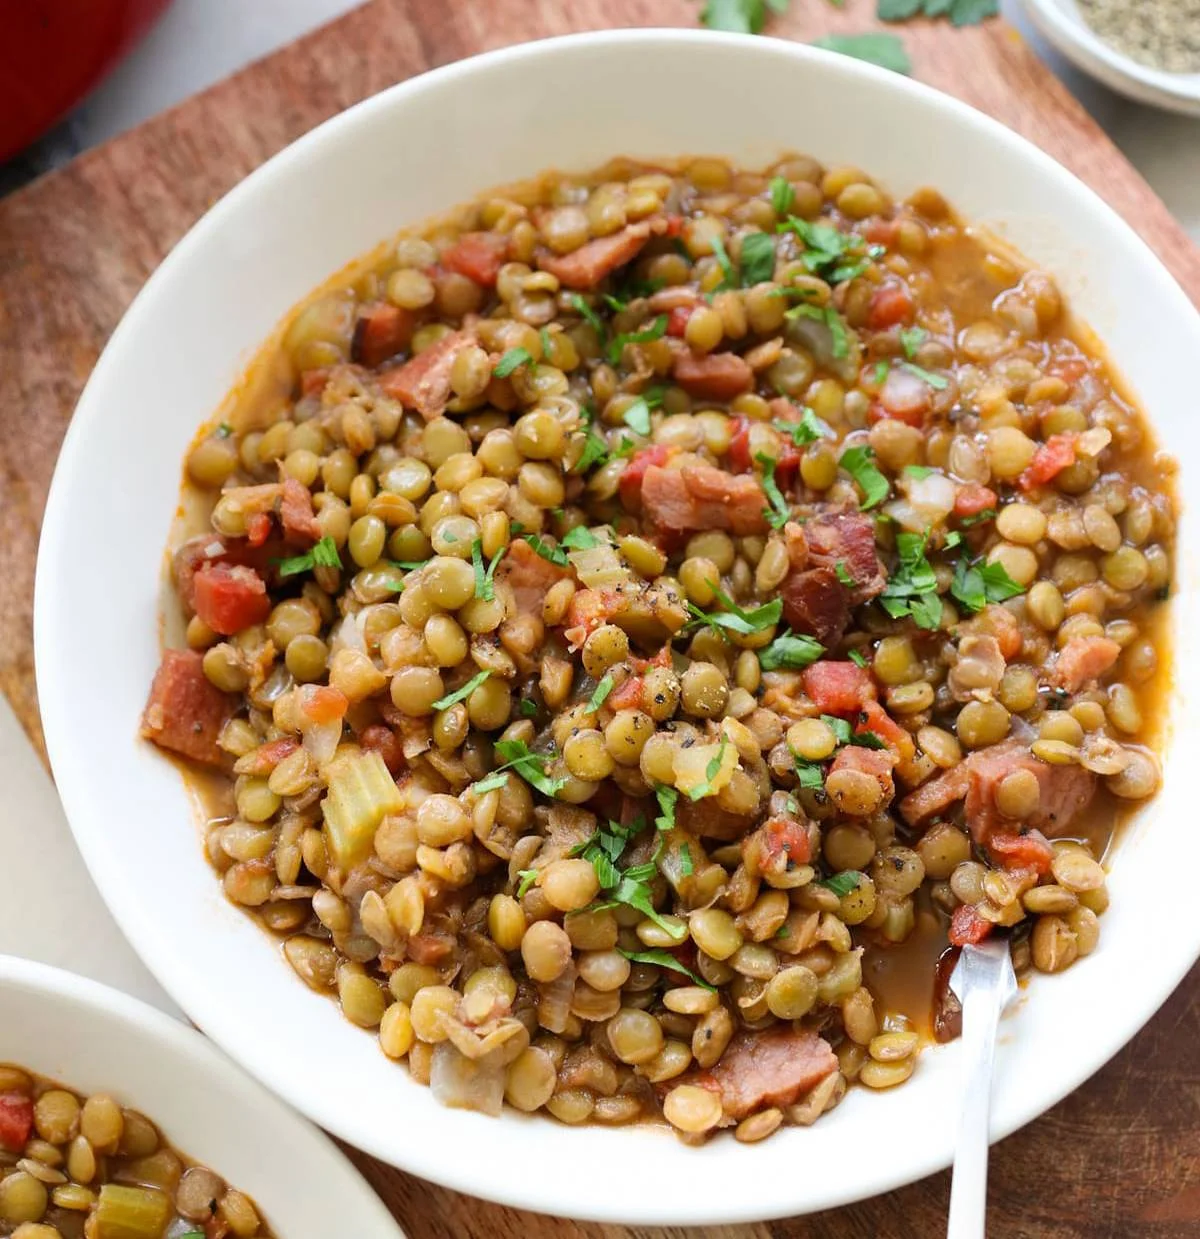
column 739, row 445
column 268, row 756
column 296, row 512
column 713, row 376
column 838, row 687
column 477, row 255
column 788, row 836
column 677, row 320
column 1069, row 369
column 1029, row 851
column 378, row 738
column 429, row 948
column 323, row 703
column 16, row 1121
column 881, row 231
column 1050, row 459
column 588, row 609
column 661, row 659
column 874, row 718
column 229, row 598
column 967, row 926
column 312, row 382
column 890, row 303
column 970, row 499
column 382, row 331
column 630, row 484
column 258, row 529
column 674, row 225
column 628, row 696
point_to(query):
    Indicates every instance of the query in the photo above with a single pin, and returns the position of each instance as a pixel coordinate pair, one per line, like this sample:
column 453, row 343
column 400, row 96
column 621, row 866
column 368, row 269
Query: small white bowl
column 95, row 1039
column 409, row 153
column 1061, row 22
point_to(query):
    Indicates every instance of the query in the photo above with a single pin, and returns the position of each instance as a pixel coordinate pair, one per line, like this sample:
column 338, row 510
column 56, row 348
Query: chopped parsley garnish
column 840, row 341
column 528, row 878
column 528, row 708
column 631, row 886
column 589, row 315
column 490, row 782
column 884, row 50
column 779, row 512
column 546, row 342
column 936, row 381
column 917, row 471
column 600, row 693
column 807, row 430
column 667, row 797
column 664, row 959
column 834, row 255
column 782, row 195
column 858, row 463
column 839, row 726
column 912, row 588
column 735, row 618
column 809, row 774
column 790, row 652
column 758, row 257
column 595, row 449
column 531, row 766
column 857, row 657
column 843, row 574
column 980, row 518
column 224, row 430
column 960, row 12
column 323, row 554
column 580, row 538
column 710, row 772
column 721, row 254
column 484, row 577
column 512, row 360
column 655, row 331
column 976, row 584
column 687, row 866
column 911, row 339
column 637, row 416
column 461, row 694
column 552, row 554
column 842, row 883
column 739, row 16
column 881, row 372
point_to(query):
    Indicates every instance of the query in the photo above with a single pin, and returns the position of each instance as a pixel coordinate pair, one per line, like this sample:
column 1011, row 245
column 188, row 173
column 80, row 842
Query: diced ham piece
column 585, row 267
column 717, row 376
column 634, row 474
column 1013, row 851
column 185, row 712
column 16, row 1121
column 378, row 738
column 477, row 255
column 423, row 383
column 194, row 554
column 1065, row 792
column 698, row 497
column 230, row 597
column 847, row 538
column 1081, row 660
column 967, row 927
column 381, row 331
column 835, row 687
column 815, row 603
column 771, row 1068
column 296, row 513
column 528, row 575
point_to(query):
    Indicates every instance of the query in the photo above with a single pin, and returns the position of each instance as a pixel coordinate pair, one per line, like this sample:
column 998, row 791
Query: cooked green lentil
column 74, row 1166
column 649, row 616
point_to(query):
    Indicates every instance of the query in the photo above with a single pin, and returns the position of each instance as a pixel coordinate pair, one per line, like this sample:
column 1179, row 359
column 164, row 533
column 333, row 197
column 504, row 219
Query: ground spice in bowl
column 1164, row 34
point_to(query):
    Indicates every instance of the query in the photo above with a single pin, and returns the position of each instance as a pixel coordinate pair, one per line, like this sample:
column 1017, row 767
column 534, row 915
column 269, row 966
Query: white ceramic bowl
column 1061, row 22
column 400, row 157
column 95, row 1039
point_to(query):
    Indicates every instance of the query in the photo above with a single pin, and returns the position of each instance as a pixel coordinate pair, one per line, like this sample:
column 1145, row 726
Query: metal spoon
column 985, row 983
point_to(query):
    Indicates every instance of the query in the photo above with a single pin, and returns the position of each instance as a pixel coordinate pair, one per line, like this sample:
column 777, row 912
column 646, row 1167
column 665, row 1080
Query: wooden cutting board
column 1120, row 1157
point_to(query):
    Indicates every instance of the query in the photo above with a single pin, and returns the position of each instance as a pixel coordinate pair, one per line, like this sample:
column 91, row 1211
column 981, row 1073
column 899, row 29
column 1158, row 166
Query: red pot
column 54, row 51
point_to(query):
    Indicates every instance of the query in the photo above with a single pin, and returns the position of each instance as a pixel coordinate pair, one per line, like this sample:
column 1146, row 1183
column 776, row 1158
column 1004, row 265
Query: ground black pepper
column 1164, row 34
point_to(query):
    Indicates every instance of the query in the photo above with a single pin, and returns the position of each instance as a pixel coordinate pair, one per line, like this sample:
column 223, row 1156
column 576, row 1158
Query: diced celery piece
column 131, row 1212
column 361, row 793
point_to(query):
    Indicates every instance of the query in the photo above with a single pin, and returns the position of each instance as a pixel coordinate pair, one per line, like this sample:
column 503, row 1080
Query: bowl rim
column 200, row 1056
column 1071, row 35
column 184, row 987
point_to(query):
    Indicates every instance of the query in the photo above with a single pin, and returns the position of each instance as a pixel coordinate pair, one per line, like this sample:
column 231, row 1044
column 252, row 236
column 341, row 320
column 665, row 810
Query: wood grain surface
column 1121, row 1156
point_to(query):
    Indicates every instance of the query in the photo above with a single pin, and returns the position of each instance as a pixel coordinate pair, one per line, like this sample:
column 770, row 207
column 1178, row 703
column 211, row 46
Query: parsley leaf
column 632, row 887
column 810, row 774
column 595, row 449
column 867, row 740
column 484, row 577
column 988, row 514
column 531, row 766
column 528, row 878
column 880, row 373
column 580, row 538
column 779, row 513
column 807, row 430
column 664, row 959
column 917, row 471
column 936, row 381
column 782, row 195
column 857, row 657
column 667, row 798
column 687, row 866
column 758, row 257
column 323, row 555
column 912, row 588
column 637, row 416
column 898, row 10
column 911, row 339
column 461, row 694
column 528, row 708
column 976, row 584
column 884, row 50
column 734, row 618
column 737, row 16
column 725, row 263
column 839, row 726
column 790, row 652
column 960, row 12
column 655, row 331
column 843, row 574
column 857, row 461
column 970, row 12
column 825, row 247
column 490, row 782
column 589, row 315
column 710, row 772
column 842, row 883
column 600, row 693
column 552, row 554
column 840, row 341
column 512, row 360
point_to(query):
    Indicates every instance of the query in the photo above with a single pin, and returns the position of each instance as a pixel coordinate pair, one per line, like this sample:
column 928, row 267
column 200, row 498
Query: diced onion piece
column 554, row 1001
column 348, row 635
column 692, row 766
column 599, row 566
column 361, row 794
column 931, row 497
column 464, row 1084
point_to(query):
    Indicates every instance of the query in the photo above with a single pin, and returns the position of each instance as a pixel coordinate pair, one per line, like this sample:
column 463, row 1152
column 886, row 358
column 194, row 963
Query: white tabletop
column 53, row 913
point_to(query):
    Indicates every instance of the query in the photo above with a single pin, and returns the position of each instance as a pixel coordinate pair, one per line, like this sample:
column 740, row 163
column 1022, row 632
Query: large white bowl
column 405, row 155
column 95, row 1039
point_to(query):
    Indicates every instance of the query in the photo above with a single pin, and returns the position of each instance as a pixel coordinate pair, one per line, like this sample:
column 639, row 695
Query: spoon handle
column 968, row 1190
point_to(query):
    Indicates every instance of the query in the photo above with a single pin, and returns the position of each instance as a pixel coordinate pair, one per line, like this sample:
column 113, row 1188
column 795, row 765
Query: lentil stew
column 86, row 1167
column 636, row 612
